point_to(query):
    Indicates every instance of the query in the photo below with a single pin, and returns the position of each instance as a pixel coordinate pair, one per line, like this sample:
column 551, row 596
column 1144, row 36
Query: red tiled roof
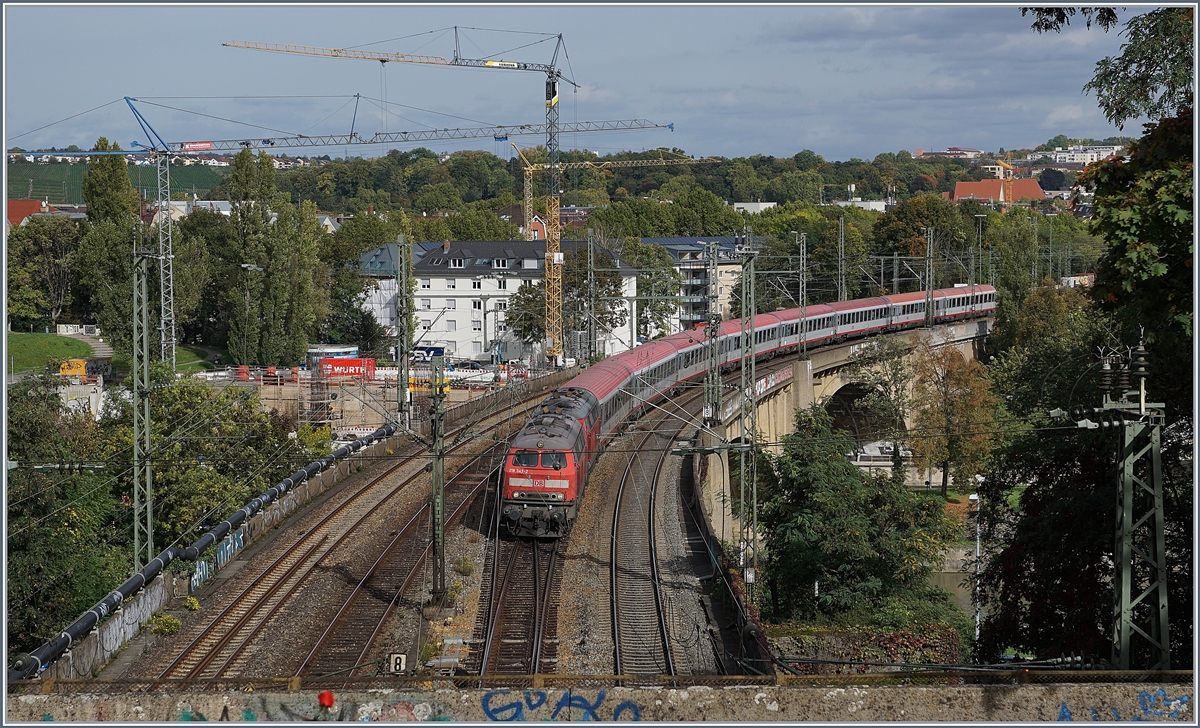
column 18, row 210
column 993, row 189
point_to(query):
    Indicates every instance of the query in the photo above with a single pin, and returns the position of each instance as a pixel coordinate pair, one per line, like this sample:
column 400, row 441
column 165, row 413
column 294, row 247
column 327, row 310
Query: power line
column 47, row 126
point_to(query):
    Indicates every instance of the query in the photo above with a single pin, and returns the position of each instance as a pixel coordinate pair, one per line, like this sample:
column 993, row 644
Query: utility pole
column 166, row 275
column 437, row 434
column 929, row 313
column 143, row 474
column 979, row 224
column 841, row 283
column 591, row 297
column 712, row 378
column 747, row 454
column 802, row 293
column 1140, row 624
column 403, row 317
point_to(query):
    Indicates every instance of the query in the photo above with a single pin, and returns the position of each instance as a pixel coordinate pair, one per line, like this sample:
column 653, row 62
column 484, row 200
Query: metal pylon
column 437, row 434
column 166, row 275
column 403, row 318
column 1140, row 622
column 143, row 475
column 712, row 379
column 747, row 457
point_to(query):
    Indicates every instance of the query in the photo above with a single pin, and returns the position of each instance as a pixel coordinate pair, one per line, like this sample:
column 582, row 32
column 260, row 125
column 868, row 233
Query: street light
column 974, row 498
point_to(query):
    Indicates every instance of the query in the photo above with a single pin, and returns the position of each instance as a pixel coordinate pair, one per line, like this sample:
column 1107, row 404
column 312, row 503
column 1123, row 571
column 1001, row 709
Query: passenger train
column 551, row 456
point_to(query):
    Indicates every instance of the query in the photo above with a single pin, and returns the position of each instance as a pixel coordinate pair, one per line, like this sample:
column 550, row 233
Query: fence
column 85, row 329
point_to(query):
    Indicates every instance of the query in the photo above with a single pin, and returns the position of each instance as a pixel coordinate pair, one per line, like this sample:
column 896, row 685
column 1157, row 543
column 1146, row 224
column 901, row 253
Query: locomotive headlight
column 518, row 494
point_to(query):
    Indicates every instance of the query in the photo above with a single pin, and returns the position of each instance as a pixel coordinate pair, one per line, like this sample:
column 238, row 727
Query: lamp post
column 974, row 498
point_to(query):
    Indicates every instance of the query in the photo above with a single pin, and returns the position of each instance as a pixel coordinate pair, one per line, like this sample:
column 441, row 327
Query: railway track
column 346, row 643
column 219, row 648
column 641, row 634
column 521, row 624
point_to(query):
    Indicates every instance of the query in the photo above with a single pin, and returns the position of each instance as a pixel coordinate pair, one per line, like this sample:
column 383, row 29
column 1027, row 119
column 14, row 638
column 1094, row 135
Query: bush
column 164, row 624
column 464, row 566
column 191, row 604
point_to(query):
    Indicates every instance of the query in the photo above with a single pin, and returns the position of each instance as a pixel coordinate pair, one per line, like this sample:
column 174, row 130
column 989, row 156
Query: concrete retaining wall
column 747, row 703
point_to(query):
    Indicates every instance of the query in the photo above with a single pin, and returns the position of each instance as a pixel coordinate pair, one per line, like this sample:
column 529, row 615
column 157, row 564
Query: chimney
column 445, row 246
column 370, row 210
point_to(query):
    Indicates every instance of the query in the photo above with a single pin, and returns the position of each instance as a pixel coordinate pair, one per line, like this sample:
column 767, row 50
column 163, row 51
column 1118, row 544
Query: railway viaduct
column 781, row 391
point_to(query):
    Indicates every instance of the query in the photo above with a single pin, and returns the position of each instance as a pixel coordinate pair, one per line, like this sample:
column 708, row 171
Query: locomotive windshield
column 556, row 460
column 525, row 459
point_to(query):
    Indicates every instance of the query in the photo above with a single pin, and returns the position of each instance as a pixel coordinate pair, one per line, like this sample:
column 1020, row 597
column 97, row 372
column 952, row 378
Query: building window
column 501, row 305
column 450, row 348
column 425, row 324
column 451, row 325
column 456, row 262
column 477, row 325
column 500, row 263
column 529, row 264
column 426, row 283
column 426, row 304
column 477, row 347
column 477, row 304
column 501, row 328
column 527, row 282
column 535, row 235
column 502, row 284
column 476, row 285
column 451, row 304
column 450, row 284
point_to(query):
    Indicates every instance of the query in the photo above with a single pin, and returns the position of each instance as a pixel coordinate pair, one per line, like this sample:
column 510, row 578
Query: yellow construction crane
column 554, row 260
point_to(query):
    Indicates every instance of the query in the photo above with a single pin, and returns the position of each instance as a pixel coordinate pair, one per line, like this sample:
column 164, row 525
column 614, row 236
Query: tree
column 881, row 366
column 954, row 414
column 251, row 190
column 104, row 277
column 841, row 544
column 658, row 279
column 1144, row 210
column 26, row 299
column 1052, row 179
column 900, row 229
column 438, row 198
column 795, row 187
column 107, row 191
column 526, row 314
column 609, row 309
column 63, row 555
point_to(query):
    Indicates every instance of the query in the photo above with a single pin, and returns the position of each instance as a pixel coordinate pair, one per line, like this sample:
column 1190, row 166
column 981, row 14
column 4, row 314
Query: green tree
column 795, row 187
column 609, row 310
column 62, row 554
column 841, row 544
column 881, row 366
column 1144, row 211
column 50, row 244
column 26, row 299
column 900, row 229
column 526, row 314
column 438, row 198
column 251, row 185
column 657, row 277
column 107, row 191
column 479, row 223
column 104, row 278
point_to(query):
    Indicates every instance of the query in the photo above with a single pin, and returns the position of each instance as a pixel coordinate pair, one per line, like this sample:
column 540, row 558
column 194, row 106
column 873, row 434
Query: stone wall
column 955, row 703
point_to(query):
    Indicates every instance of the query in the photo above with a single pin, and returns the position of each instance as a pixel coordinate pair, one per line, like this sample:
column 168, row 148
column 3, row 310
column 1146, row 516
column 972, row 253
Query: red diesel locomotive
column 550, row 457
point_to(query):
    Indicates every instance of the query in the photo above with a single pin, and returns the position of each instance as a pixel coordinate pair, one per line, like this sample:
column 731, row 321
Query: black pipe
column 29, row 664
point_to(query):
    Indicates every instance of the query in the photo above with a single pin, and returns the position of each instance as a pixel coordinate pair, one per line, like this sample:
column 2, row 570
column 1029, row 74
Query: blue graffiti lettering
column 1095, row 716
column 1148, row 703
column 500, row 712
column 1064, row 714
column 541, row 699
column 1116, row 714
column 634, row 711
column 570, row 700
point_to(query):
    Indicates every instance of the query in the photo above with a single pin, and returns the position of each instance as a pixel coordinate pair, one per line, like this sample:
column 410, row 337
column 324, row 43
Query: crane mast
column 553, row 271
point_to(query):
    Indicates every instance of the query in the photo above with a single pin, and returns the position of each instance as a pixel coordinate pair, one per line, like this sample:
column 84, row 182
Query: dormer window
column 529, row 263
column 456, row 262
column 501, row 263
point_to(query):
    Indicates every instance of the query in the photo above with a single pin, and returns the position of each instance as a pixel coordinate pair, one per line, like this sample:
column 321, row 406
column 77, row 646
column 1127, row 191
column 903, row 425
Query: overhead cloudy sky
column 846, row 82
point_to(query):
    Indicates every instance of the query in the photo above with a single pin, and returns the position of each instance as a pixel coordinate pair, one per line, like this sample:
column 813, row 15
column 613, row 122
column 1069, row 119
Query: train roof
column 857, row 303
column 548, row 432
column 604, row 377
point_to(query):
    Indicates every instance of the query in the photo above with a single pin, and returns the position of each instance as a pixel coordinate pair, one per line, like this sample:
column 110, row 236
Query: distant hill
column 61, row 183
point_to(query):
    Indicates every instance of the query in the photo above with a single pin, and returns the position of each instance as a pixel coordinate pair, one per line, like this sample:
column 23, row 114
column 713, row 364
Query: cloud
column 1059, row 115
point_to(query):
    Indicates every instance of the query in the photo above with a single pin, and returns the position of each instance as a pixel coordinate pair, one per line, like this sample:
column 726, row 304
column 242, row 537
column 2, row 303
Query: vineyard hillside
column 62, row 183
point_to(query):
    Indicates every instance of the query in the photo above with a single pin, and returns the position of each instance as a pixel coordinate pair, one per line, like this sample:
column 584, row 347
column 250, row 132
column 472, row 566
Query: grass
column 34, row 351
column 190, row 360
column 60, row 182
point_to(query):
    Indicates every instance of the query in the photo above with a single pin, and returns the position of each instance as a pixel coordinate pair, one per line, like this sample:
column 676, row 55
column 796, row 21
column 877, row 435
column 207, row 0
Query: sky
column 849, row 81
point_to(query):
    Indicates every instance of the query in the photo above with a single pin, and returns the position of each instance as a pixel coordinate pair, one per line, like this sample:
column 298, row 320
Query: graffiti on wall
column 1153, row 705
column 503, row 705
